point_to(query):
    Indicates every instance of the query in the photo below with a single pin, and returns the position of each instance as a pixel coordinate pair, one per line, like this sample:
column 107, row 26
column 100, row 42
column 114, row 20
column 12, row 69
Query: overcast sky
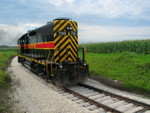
column 98, row 20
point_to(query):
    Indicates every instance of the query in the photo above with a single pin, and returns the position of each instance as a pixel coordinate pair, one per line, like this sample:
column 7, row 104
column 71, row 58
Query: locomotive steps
column 33, row 94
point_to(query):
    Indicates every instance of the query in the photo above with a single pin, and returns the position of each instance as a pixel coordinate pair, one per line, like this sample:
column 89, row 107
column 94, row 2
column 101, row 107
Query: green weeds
column 5, row 80
column 4, row 60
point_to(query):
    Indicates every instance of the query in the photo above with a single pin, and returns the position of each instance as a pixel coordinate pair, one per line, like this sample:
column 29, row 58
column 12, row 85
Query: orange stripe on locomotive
column 45, row 45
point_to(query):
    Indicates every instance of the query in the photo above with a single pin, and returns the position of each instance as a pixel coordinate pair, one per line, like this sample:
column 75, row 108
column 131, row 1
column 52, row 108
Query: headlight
column 60, row 66
column 84, row 64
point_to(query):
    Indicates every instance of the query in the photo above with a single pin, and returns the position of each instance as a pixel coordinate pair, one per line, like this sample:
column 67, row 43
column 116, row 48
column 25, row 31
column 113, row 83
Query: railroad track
column 100, row 101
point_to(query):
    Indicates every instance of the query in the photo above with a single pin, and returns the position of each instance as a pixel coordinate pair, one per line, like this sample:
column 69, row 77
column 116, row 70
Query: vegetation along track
column 101, row 101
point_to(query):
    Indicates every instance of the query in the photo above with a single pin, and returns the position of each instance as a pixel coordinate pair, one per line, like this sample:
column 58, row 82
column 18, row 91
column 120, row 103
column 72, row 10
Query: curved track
column 101, row 101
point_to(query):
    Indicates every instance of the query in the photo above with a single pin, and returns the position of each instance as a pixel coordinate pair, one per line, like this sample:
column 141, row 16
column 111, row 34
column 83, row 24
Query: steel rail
column 92, row 101
column 135, row 102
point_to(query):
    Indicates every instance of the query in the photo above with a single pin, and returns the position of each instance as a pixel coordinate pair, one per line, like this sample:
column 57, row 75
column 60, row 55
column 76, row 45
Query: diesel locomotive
column 52, row 52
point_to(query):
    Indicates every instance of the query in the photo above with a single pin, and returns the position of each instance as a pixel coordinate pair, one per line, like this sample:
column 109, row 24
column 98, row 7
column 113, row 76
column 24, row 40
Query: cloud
column 60, row 2
column 105, row 8
column 56, row 2
column 108, row 12
column 95, row 33
column 70, row 1
column 99, row 20
column 10, row 33
column 31, row 26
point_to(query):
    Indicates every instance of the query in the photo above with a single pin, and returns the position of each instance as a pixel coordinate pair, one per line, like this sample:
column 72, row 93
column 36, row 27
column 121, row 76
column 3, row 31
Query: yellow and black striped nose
column 66, row 40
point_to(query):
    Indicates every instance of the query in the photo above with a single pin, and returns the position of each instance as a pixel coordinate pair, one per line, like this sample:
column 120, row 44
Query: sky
column 98, row 20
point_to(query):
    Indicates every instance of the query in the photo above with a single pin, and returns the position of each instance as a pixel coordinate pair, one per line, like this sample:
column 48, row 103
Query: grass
column 5, row 80
column 4, row 58
column 5, row 49
column 130, row 68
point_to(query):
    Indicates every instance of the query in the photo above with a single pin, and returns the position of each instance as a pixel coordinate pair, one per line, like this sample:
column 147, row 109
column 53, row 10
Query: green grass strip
column 4, row 60
column 130, row 68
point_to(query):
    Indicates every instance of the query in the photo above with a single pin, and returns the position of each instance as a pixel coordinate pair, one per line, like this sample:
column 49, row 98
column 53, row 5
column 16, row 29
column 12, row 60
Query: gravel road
column 32, row 95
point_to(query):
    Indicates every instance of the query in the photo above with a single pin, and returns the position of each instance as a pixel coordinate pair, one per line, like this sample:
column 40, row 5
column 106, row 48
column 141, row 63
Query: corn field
column 7, row 49
column 138, row 46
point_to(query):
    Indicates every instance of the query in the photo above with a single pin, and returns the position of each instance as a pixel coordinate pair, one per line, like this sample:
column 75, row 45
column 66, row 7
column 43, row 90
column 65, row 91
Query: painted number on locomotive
column 73, row 33
column 63, row 33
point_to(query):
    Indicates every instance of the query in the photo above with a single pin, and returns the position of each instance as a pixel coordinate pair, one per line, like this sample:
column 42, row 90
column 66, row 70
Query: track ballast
column 100, row 101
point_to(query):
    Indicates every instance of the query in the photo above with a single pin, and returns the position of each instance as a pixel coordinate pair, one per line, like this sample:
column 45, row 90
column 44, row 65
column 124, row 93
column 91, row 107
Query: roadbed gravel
column 31, row 94
column 126, row 94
